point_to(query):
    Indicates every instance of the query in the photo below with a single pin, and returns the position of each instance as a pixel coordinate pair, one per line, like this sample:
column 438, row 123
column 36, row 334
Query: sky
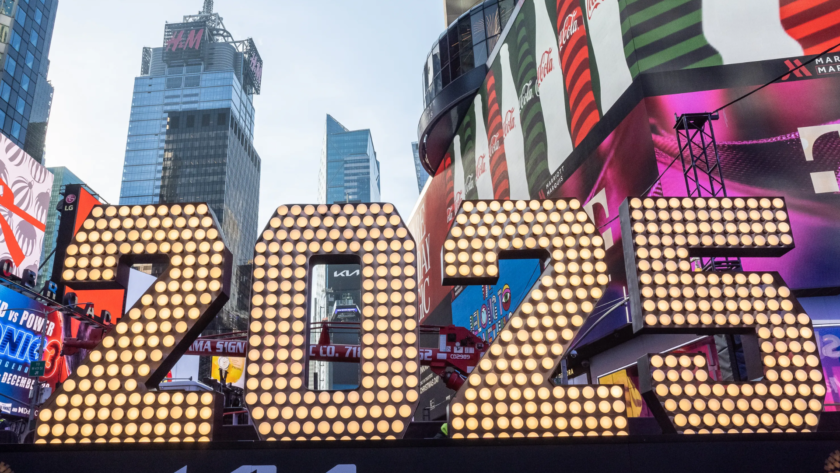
column 359, row 60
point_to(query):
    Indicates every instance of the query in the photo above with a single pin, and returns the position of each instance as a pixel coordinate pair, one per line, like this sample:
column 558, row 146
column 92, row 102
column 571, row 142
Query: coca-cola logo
column 570, row 27
column 509, row 123
column 545, row 67
column 495, row 144
column 591, row 5
column 480, row 166
column 527, row 94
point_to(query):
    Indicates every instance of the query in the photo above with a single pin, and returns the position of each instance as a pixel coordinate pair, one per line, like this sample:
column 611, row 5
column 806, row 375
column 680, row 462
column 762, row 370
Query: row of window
column 465, row 45
column 178, row 70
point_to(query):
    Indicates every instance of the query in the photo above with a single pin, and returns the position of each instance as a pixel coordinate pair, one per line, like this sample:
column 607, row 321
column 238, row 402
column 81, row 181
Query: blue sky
column 358, row 60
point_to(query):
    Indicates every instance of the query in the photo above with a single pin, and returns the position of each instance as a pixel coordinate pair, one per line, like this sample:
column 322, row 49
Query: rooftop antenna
column 208, row 6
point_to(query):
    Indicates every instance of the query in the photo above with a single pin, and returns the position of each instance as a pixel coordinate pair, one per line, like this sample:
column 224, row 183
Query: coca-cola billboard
column 555, row 117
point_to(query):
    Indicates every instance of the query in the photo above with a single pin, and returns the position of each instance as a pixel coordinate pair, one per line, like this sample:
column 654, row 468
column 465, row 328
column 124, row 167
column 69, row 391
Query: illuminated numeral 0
column 510, row 393
column 296, row 238
column 659, row 237
column 109, row 398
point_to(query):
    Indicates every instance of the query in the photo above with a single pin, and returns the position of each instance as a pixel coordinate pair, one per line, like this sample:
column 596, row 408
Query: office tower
column 63, row 177
column 26, row 28
column 349, row 168
column 422, row 175
column 191, row 132
column 349, row 173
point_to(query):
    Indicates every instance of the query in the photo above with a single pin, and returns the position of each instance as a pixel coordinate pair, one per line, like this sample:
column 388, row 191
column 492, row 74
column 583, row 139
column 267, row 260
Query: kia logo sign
column 345, row 274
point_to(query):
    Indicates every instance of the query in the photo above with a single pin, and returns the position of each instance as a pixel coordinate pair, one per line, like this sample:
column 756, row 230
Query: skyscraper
column 422, row 175
column 349, row 168
column 26, row 28
column 349, row 173
column 191, row 132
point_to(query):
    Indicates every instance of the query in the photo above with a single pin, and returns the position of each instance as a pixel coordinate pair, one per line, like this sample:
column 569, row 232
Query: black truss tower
column 701, row 169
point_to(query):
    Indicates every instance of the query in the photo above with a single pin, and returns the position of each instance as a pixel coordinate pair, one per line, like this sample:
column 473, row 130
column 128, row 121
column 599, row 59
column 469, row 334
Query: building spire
column 208, row 6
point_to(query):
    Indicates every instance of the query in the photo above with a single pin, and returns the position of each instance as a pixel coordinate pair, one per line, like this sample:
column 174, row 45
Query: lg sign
column 177, row 42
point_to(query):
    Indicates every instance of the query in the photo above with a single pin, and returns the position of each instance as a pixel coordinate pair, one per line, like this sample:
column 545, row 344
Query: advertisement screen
column 580, row 100
column 25, row 188
column 828, row 339
column 485, row 310
column 21, row 323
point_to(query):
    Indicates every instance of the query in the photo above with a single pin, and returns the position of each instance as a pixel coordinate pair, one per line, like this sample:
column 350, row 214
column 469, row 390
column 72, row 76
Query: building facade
column 422, row 175
column 191, row 132
column 26, row 28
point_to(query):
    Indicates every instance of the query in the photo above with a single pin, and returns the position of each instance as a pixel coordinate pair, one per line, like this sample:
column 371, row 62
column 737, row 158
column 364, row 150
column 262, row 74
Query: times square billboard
column 580, row 100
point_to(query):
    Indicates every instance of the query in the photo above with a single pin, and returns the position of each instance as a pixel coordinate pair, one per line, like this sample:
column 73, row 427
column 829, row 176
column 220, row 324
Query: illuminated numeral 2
column 510, row 393
column 110, row 398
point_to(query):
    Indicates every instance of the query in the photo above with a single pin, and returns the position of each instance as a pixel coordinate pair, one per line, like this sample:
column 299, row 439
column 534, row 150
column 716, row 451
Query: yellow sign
column 234, row 370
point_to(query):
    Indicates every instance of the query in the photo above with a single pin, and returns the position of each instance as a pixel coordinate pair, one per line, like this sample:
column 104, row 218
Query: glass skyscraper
column 422, row 175
column 349, row 168
column 26, row 28
column 191, row 132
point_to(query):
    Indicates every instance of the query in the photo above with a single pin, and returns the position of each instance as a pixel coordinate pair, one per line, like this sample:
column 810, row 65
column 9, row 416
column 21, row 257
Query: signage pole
column 37, row 388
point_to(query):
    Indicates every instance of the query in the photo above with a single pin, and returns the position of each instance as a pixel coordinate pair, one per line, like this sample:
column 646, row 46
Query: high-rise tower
column 26, row 29
column 191, row 132
column 349, row 168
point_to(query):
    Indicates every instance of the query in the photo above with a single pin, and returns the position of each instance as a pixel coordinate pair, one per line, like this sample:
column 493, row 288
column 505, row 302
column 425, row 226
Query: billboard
column 580, row 99
column 21, row 323
column 182, row 41
column 25, row 188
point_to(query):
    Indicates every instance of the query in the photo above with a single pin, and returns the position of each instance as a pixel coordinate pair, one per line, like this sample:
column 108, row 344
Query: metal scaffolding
column 702, row 171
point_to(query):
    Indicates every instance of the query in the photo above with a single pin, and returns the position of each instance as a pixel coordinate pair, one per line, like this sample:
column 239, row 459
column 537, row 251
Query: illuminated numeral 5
column 510, row 393
column 296, row 238
column 659, row 237
column 110, row 397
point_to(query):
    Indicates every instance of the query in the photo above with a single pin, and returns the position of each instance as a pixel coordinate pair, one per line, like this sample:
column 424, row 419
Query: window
column 190, row 121
column 6, row 7
column 192, row 81
column 38, row 15
column 30, row 59
column 174, row 123
column 24, row 82
column 4, row 33
column 16, row 129
column 21, row 105
column 5, row 92
column 21, row 18
column 33, row 38
column 11, row 65
column 221, row 119
column 205, row 119
column 2, row 118
column 15, row 42
column 194, row 69
column 175, row 71
column 173, row 82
